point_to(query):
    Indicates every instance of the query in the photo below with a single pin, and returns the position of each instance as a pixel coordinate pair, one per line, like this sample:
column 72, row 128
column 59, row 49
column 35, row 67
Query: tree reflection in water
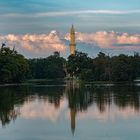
column 79, row 98
column 10, row 100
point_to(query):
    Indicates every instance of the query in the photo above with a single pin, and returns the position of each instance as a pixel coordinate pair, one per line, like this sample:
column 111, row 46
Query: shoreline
column 63, row 82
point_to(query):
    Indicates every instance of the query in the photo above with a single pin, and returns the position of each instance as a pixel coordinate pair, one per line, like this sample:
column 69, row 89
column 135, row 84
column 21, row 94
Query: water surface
column 69, row 111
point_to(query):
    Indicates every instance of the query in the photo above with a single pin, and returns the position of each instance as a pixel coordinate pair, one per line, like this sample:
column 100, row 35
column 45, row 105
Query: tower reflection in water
column 79, row 98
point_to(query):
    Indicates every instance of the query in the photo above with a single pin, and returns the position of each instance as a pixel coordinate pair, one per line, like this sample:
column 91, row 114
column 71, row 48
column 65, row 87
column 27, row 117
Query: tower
column 72, row 41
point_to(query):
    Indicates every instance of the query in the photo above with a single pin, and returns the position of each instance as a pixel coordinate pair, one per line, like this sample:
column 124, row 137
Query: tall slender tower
column 72, row 41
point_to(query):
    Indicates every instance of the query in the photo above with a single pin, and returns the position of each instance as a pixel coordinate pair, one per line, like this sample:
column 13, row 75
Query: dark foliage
column 50, row 67
column 104, row 68
column 78, row 63
column 13, row 66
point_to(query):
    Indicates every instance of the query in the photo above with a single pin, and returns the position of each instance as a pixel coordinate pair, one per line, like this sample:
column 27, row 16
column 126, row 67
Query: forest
column 15, row 68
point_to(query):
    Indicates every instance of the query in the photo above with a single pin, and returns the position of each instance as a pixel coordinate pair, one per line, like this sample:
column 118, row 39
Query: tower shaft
column 72, row 41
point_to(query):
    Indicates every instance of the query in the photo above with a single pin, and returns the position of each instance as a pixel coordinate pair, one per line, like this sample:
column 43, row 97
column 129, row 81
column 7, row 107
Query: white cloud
column 111, row 40
column 78, row 12
column 35, row 44
column 64, row 13
column 42, row 45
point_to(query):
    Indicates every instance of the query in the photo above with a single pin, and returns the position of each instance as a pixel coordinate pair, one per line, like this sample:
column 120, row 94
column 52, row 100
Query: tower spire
column 72, row 40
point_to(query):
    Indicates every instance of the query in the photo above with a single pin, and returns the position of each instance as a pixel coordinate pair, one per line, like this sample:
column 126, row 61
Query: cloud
column 35, row 44
column 70, row 13
column 42, row 45
column 65, row 13
column 109, row 40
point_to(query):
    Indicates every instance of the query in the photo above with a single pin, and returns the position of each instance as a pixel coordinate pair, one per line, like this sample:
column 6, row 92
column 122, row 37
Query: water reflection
column 10, row 101
column 72, row 101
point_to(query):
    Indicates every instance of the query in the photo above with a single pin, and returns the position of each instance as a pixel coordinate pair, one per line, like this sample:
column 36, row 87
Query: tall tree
column 77, row 63
column 50, row 67
column 13, row 66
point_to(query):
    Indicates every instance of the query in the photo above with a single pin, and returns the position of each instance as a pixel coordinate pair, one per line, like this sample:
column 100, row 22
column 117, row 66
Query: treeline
column 14, row 68
column 47, row 68
column 103, row 67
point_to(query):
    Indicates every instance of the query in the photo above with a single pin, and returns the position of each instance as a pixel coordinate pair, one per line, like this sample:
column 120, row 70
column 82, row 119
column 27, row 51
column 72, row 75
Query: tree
column 76, row 63
column 124, row 68
column 102, row 67
column 47, row 68
column 13, row 66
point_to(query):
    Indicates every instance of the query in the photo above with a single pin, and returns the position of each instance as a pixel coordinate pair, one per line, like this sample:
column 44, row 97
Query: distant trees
column 86, row 68
column 13, row 66
column 50, row 67
column 79, row 64
column 125, row 68
column 103, row 67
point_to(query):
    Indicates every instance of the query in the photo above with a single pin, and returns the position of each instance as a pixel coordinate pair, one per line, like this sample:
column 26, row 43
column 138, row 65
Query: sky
column 39, row 27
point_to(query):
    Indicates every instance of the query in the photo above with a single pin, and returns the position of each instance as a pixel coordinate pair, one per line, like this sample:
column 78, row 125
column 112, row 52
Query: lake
column 70, row 111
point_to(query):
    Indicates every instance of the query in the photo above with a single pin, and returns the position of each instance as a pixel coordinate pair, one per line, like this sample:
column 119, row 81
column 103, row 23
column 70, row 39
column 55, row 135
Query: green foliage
column 103, row 67
column 50, row 67
column 125, row 68
column 86, row 75
column 13, row 66
column 77, row 63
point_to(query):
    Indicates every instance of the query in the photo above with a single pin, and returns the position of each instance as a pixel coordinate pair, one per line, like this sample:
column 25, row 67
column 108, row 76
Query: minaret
column 72, row 41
